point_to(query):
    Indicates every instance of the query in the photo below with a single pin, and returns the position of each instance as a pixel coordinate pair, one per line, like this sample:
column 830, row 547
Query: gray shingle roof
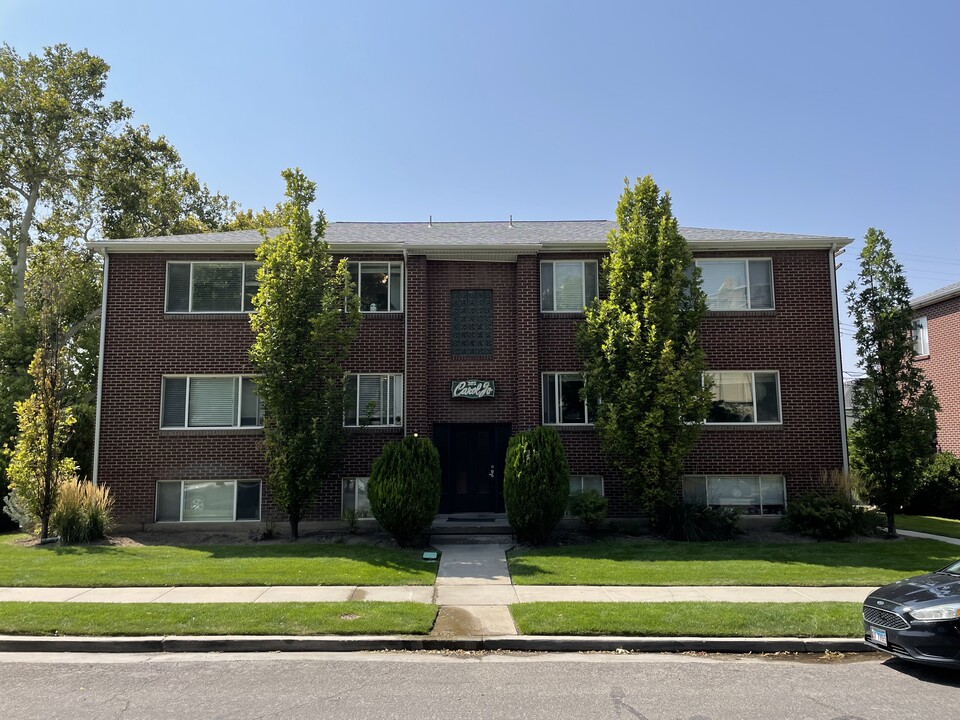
column 479, row 235
column 944, row 293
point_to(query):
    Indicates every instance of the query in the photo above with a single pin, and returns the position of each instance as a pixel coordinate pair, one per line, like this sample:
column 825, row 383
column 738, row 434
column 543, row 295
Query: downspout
column 406, row 316
column 839, row 360
column 103, row 334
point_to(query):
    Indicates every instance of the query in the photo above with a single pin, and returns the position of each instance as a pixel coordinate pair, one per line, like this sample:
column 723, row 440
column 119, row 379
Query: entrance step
column 459, row 537
column 472, row 525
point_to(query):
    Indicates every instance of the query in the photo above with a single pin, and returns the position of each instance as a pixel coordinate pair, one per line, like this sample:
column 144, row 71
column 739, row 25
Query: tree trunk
column 23, row 243
column 44, row 527
column 891, row 525
column 295, row 525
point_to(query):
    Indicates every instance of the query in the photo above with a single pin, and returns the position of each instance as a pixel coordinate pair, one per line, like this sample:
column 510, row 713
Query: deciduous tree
column 641, row 348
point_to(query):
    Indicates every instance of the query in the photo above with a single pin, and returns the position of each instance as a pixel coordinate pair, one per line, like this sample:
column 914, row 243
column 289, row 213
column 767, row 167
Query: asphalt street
column 488, row 686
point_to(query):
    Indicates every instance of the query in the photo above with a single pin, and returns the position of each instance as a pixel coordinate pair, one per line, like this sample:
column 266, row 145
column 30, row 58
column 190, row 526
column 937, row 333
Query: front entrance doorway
column 471, row 461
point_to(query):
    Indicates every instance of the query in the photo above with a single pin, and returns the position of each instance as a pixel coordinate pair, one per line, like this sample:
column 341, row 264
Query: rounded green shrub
column 696, row 523
column 404, row 488
column 939, row 490
column 536, row 483
column 590, row 507
column 829, row 517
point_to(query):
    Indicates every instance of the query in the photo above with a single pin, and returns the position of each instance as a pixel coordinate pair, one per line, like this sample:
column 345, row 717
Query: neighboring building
column 467, row 337
column 936, row 336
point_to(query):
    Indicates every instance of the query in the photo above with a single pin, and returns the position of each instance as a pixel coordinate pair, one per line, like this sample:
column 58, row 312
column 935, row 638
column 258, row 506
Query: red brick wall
column 142, row 344
column 942, row 366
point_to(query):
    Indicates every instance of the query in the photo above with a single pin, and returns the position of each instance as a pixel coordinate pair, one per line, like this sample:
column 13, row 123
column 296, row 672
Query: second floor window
column 745, row 397
column 920, row 343
column 211, row 287
column 373, row 400
column 210, row 401
column 567, row 285
column 379, row 284
column 562, row 404
column 737, row 284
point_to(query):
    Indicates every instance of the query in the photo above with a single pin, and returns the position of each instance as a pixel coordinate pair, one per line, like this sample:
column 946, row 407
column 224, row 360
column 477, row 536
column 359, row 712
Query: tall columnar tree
column 894, row 439
column 306, row 318
column 643, row 361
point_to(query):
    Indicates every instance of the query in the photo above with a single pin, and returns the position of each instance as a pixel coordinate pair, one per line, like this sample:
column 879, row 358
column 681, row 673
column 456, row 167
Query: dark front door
column 471, row 460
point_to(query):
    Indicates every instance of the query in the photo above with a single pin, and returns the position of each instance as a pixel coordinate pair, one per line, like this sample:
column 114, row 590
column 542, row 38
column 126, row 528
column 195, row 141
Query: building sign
column 473, row 389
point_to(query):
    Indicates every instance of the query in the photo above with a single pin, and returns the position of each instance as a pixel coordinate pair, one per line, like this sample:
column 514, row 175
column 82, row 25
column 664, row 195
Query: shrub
column 16, row 510
column 83, row 512
column 536, row 483
column 830, row 516
column 404, row 488
column 695, row 523
column 939, row 491
column 590, row 507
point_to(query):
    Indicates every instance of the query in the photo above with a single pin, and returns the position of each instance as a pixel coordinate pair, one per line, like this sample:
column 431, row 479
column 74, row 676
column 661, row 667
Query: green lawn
column 933, row 525
column 341, row 618
column 259, row 564
column 815, row 619
column 624, row 562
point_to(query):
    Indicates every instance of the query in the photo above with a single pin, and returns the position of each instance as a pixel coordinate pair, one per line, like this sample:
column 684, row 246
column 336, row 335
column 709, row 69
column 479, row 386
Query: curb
column 336, row 643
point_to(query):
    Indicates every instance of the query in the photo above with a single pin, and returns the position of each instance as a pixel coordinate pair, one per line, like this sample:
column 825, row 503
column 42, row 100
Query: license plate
column 878, row 636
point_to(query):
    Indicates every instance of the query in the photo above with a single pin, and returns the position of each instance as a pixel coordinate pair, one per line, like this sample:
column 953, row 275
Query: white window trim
column 190, row 310
column 758, row 478
column 186, row 409
column 921, row 338
column 583, row 289
column 388, row 263
column 746, row 263
column 392, row 415
column 556, row 390
column 236, row 487
column 753, row 388
column 603, row 486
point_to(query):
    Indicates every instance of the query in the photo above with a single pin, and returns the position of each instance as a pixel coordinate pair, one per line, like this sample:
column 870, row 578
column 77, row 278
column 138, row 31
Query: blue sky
column 813, row 117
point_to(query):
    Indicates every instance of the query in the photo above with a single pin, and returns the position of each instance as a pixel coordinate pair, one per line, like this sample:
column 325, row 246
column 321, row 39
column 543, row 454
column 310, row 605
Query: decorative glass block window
column 737, row 284
column 750, row 494
column 920, row 343
column 562, row 403
column 210, row 401
column 373, row 400
column 208, row 500
column 353, row 497
column 211, row 287
column 567, row 285
column 745, row 397
column 471, row 322
column 379, row 284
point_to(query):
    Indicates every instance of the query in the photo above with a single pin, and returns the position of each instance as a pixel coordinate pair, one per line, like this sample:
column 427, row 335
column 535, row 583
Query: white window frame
column 356, row 496
column 389, row 264
column 580, row 478
column 191, row 263
column 397, row 404
column 753, row 391
column 186, row 406
column 746, row 273
column 921, row 337
column 556, row 389
column 236, row 486
column 759, row 478
column 583, row 276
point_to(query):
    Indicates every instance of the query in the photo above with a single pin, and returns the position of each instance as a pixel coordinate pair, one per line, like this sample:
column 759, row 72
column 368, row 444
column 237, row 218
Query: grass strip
column 689, row 619
column 626, row 562
column 258, row 564
column 131, row 619
column 928, row 524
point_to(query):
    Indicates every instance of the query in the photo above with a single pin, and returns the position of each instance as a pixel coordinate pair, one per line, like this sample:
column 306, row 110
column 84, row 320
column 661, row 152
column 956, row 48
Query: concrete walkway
column 928, row 536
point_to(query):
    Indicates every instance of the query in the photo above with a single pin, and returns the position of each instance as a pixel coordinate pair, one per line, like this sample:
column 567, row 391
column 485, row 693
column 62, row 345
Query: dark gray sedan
column 918, row 618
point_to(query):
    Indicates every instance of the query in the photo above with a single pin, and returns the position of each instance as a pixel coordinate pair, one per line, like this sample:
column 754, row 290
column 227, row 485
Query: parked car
column 918, row 618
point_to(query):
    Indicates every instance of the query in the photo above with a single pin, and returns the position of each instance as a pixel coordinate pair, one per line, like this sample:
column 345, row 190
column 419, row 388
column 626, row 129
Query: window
column 354, row 497
column 379, row 284
column 750, row 494
column 737, row 284
column 471, row 322
column 211, row 287
column 920, row 342
column 373, row 400
column 208, row 501
column 745, row 397
column 568, row 285
column 210, row 401
column 562, row 402
column 586, row 483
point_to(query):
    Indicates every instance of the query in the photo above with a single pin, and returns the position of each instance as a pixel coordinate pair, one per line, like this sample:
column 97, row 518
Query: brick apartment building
column 467, row 337
column 936, row 336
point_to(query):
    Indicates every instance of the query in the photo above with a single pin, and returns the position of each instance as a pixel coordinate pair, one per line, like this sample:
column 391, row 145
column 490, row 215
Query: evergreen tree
column 640, row 345
column 895, row 434
column 306, row 317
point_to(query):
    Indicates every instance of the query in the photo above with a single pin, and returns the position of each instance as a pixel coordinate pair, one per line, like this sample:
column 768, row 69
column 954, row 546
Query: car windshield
column 952, row 569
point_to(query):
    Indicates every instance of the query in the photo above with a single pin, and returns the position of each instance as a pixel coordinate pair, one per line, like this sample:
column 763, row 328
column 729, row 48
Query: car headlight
column 950, row 611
